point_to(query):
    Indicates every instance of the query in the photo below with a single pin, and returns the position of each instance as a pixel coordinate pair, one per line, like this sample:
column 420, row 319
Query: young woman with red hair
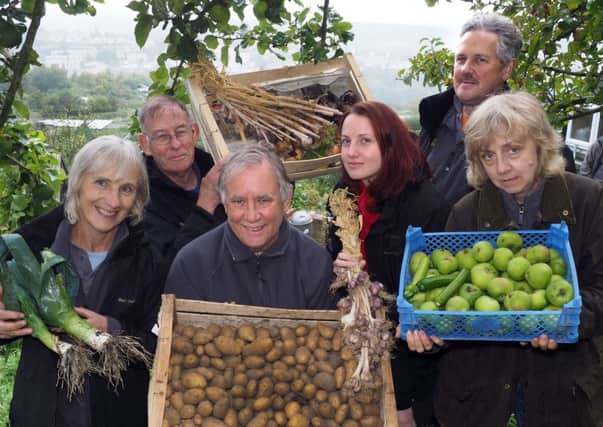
column 384, row 165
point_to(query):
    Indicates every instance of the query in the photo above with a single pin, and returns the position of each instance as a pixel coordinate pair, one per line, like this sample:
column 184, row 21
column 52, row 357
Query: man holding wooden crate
column 184, row 199
column 256, row 257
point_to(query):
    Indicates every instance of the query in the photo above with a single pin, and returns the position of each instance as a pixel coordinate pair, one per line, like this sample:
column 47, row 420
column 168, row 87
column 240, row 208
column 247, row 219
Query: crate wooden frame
column 202, row 312
column 296, row 169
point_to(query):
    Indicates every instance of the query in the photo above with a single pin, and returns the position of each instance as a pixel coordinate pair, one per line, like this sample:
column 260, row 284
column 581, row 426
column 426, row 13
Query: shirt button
column 447, row 168
column 487, row 225
column 565, row 212
column 507, row 386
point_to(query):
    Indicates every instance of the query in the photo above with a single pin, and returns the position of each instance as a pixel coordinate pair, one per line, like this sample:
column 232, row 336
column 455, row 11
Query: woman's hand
column 345, row 261
column 12, row 323
column 94, row 319
column 543, row 342
column 419, row 341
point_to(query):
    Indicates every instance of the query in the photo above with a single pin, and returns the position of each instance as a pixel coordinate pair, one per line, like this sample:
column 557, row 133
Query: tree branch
column 22, row 60
column 562, row 71
column 172, row 89
column 581, row 114
column 323, row 26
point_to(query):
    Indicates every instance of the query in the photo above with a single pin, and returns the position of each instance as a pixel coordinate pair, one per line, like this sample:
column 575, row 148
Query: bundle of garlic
column 365, row 329
column 286, row 118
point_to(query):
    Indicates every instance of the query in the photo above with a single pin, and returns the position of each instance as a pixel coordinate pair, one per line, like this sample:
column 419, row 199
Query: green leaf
column 28, row 5
column 224, row 55
column 138, row 6
column 142, row 29
column 187, row 49
column 9, row 34
column 177, row 6
column 211, row 42
column 21, row 109
column 259, row 10
column 26, row 263
column 219, row 13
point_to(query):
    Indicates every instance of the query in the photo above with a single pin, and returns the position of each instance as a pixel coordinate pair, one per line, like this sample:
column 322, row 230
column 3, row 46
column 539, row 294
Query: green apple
column 538, row 253
column 481, row 275
column 521, row 253
column 522, row 285
column 457, row 303
column 551, row 307
column 432, row 272
column 538, row 299
column 499, row 287
column 415, row 260
column 465, row 258
column 447, row 264
column 444, row 325
column 539, row 275
column 432, row 294
column 486, row 303
column 510, row 240
column 437, row 254
column 550, row 322
column 470, row 292
column 501, row 258
column 428, row 306
column 505, row 325
column 559, row 292
column 517, row 268
column 417, row 299
column 482, row 251
column 558, row 264
column 517, row 301
column 529, row 325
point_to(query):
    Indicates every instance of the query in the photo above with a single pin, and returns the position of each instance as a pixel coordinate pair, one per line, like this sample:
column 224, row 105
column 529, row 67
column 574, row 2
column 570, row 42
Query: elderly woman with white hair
column 518, row 173
column 98, row 232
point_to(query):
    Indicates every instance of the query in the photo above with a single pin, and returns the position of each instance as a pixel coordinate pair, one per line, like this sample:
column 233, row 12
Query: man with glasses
column 183, row 179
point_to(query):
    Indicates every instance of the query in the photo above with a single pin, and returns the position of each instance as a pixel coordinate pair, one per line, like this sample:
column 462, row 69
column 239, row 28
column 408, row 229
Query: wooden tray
column 201, row 313
column 296, row 169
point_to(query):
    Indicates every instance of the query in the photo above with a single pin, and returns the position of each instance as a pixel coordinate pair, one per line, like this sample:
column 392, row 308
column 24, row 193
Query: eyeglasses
column 163, row 139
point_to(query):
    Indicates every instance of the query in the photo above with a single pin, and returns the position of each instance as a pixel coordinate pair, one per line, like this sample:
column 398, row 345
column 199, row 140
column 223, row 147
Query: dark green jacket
column 478, row 380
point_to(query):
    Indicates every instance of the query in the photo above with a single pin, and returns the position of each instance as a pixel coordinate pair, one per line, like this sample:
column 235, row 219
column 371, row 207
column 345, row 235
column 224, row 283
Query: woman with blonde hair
column 515, row 166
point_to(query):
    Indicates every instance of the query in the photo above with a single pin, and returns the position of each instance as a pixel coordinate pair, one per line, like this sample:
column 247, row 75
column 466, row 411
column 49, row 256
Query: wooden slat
column 358, row 78
column 161, row 363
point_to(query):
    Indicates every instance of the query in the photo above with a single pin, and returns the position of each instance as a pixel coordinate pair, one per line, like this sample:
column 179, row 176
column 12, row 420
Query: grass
column 9, row 361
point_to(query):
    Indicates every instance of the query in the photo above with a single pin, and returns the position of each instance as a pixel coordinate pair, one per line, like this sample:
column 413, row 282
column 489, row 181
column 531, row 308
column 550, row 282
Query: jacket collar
column 556, row 205
column 240, row 253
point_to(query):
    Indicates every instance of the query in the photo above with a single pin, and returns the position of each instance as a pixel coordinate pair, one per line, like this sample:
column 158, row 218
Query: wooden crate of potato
column 341, row 76
column 233, row 365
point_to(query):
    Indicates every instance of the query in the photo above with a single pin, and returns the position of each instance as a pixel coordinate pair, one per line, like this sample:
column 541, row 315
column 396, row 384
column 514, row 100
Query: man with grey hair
column 485, row 57
column 184, row 199
column 256, row 257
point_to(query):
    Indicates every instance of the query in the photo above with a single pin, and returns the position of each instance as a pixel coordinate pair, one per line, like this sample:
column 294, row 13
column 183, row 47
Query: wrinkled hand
column 12, row 323
column 419, row 341
column 542, row 342
column 209, row 198
column 345, row 261
column 94, row 319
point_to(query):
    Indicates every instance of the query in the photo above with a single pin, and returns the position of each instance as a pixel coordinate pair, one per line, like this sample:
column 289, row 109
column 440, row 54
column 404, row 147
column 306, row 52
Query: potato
column 202, row 337
column 177, row 400
column 326, row 331
column 316, row 422
column 321, row 354
column 188, row 331
column 217, row 363
column 197, row 419
column 287, row 332
column 289, row 346
column 206, row 372
column 218, row 381
column 325, row 381
column 356, row 412
column 239, row 379
column 172, row 416
column 187, row 423
column 339, row 377
column 187, row 412
column 182, row 345
column 251, row 388
column 280, row 418
column 292, row 408
column 311, row 370
column 341, row 413
column 312, row 339
column 205, row 408
column 228, row 346
column 178, row 328
column 321, row 396
column 233, row 361
column 238, row 403
column 335, row 400
column 246, row 333
column 254, row 362
column 212, row 422
column 278, row 403
column 371, row 421
column 325, row 343
column 228, row 331
column 231, row 419
column 289, row 360
column 193, row 396
column 176, row 359
column 205, row 360
column 199, row 350
column 245, row 416
column 303, row 355
column 255, row 374
column 298, row 385
column 221, row 407
column 211, row 350
column 260, row 420
column 326, row 410
column 350, row 423
column 262, row 403
column 214, row 393
column 265, row 387
column 298, row 420
column 213, row 329
column 282, row 388
column 337, row 341
column 174, row 372
column 263, row 333
column 259, row 347
column 325, row 367
column 372, row 409
column 301, row 330
column 274, row 354
column 309, row 391
column 300, row 341
column 193, row 379
column 347, row 354
column 190, row 361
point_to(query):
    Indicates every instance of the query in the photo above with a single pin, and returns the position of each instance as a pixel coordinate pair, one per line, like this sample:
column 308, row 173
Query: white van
column 582, row 132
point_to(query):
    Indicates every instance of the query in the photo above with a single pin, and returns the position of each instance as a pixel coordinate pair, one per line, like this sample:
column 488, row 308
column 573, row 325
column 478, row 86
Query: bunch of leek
column 44, row 293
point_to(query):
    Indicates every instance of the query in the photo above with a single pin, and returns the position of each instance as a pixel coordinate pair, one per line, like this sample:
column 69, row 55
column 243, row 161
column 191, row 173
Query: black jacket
column 133, row 299
column 478, row 380
column 172, row 218
column 432, row 110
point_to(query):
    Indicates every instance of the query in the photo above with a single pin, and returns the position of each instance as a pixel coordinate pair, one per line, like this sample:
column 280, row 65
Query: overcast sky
column 446, row 14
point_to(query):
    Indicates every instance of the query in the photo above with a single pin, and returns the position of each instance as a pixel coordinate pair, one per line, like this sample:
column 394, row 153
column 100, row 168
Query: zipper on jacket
column 522, row 210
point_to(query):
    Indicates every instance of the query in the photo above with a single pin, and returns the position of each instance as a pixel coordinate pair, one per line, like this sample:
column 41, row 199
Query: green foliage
column 10, row 354
column 30, row 175
column 560, row 63
column 216, row 29
column 432, row 65
column 313, row 193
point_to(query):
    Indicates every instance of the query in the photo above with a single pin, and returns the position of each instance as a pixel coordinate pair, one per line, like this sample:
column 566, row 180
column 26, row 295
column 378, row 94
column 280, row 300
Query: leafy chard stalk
column 365, row 329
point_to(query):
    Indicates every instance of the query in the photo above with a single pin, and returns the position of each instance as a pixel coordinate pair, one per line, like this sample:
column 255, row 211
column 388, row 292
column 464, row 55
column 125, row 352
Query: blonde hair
column 518, row 116
column 107, row 152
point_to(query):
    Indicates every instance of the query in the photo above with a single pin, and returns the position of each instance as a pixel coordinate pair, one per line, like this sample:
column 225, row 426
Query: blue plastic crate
column 561, row 325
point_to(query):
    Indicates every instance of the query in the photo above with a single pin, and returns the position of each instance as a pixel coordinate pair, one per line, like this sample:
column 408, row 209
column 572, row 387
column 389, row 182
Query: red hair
column 402, row 160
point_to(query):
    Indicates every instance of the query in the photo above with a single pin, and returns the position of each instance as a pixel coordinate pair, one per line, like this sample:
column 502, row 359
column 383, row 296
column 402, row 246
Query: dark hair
column 402, row 160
